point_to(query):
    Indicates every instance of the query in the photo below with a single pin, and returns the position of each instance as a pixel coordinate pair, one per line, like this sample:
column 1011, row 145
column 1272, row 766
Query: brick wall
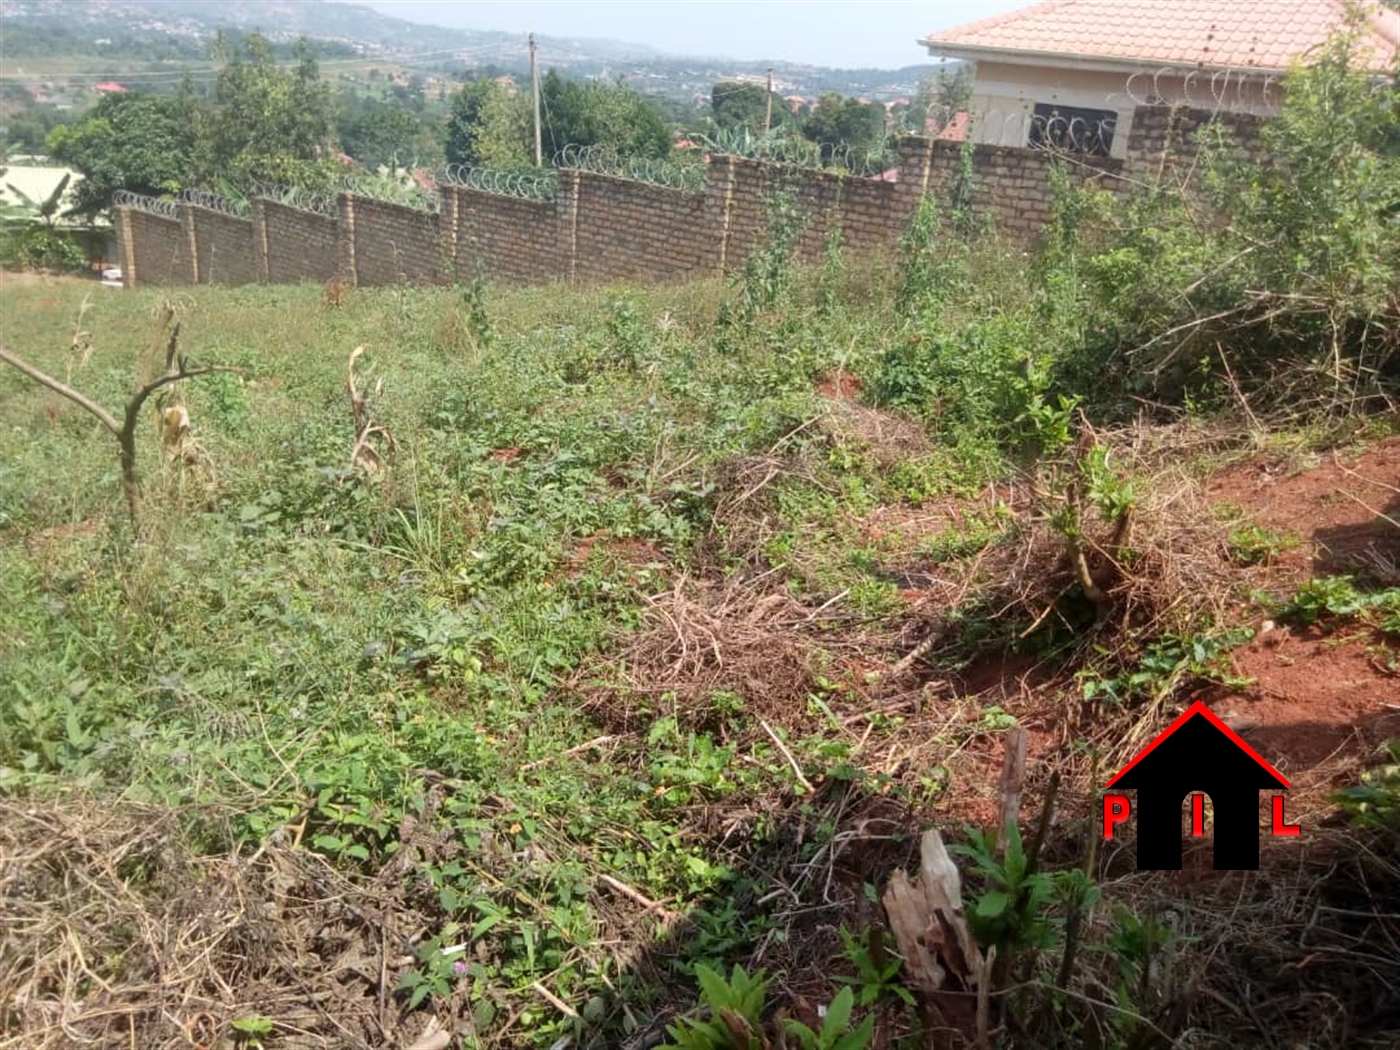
column 1010, row 186
column 601, row 228
column 297, row 245
column 225, row 248
column 393, row 244
column 1166, row 135
column 501, row 238
column 870, row 213
column 629, row 230
column 158, row 251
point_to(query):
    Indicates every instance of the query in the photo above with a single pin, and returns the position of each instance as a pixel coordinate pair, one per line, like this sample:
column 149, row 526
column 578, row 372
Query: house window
column 1073, row 129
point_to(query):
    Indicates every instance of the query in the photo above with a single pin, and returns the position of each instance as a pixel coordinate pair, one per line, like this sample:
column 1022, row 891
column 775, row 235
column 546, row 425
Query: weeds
column 683, row 614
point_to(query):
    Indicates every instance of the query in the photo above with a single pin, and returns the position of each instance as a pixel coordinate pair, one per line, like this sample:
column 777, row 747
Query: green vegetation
column 603, row 642
column 491, row 125
column 131, row 141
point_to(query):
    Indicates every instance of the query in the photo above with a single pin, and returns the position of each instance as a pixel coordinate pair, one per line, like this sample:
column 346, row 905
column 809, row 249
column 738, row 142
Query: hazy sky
column 875, row 33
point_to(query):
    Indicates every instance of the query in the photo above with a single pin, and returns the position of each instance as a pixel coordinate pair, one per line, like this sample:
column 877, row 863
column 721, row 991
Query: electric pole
column 535, row 81
column 768, row 109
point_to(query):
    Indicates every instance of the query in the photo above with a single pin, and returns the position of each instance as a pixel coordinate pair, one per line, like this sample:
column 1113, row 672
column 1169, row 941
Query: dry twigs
column 114, row 932
column 373, row 441
column 706, row 638
column 176, row 369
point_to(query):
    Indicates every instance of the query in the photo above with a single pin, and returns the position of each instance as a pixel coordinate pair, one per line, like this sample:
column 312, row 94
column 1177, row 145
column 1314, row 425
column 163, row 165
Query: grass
column 586, row 692
column 295, row 645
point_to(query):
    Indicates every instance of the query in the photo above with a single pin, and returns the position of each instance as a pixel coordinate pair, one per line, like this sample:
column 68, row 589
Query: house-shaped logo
column 1197, row 753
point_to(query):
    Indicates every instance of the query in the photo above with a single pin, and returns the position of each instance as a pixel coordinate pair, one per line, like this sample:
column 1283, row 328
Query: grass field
column 653, row 639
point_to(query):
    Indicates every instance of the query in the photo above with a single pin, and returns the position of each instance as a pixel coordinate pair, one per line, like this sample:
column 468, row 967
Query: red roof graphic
column 1198, row 708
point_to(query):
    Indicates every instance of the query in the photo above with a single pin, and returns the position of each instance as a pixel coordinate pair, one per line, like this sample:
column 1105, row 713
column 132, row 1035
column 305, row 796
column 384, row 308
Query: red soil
column 1336, row 506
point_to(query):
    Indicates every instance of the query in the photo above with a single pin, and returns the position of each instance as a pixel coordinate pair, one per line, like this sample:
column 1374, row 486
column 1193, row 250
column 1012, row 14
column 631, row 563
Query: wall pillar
column 449, row 220
column 260, row 242
column 915, row 171
column 126, row 244
column 566, row 203
column 719, row 194
column 345, row 239
column 191, row 243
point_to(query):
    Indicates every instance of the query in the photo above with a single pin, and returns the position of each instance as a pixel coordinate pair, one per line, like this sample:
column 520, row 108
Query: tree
column 132, row 141
column 504, row 135
column 492, row 126
column 464, row 125
column 375, row 133
column 940, row 98
column 848, row 123
column 266, row 123
column 599, row 114
column 734, row 104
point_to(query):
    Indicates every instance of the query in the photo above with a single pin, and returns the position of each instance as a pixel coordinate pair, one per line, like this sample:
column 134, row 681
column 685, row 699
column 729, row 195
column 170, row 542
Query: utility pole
column 535, row 81
column 768, row 108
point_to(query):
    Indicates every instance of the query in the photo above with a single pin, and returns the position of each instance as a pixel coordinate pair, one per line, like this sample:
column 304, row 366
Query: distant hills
column 101, row 35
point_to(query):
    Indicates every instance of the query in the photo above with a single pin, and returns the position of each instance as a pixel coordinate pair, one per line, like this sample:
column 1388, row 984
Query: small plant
column 1255, row 545
column 251, row 1030
column 836, row 1032
column 767, row 275
column 1010, row 912
column 877, row 968
column 1338, row 596
column 832, row 271
column 478, row 322
column 335, row 292
column 734, row 1011
column 926, row 273
column 734, row 1008
column 1166, row 664
column 962, row 192
column 1375, row 802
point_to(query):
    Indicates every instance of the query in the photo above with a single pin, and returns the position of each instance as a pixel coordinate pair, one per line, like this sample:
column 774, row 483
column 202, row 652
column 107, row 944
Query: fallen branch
column 176, row 369
column 801, row 779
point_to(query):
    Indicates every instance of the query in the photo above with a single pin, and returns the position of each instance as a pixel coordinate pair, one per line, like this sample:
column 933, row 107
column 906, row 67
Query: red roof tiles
column 1259, row 34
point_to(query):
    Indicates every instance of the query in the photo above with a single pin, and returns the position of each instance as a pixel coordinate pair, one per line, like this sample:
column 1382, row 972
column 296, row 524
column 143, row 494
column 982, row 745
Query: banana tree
column 28, row 212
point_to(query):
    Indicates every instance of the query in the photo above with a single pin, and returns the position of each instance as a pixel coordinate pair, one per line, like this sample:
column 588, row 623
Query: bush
column 40, row 248
column 1275, row 281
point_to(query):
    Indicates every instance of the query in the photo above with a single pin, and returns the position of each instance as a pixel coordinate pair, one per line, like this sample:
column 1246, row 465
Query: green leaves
column 134, row 141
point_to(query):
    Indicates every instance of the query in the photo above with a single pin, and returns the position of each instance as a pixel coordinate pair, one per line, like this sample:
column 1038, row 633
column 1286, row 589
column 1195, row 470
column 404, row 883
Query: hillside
column 57, row 37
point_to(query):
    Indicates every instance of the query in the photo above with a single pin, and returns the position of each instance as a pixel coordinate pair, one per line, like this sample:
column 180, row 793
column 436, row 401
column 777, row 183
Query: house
column 36, row 183
column 1198, row 753
column 110, row 87
column 1071, row 73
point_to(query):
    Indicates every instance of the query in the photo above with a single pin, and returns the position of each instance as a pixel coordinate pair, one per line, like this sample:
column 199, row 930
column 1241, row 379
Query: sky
column 879, row 33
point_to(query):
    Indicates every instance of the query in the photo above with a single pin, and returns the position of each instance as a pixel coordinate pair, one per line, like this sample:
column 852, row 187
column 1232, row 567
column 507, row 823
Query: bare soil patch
column 1344, row 509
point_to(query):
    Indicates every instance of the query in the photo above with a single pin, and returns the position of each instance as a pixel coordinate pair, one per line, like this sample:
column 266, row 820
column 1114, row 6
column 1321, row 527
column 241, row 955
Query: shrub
column 1277, row 280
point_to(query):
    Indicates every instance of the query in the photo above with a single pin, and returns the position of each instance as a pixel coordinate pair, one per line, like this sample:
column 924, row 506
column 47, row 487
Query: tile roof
column 1260, row 34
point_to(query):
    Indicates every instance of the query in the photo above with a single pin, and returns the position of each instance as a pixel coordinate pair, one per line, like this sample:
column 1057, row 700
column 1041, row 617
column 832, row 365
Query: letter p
column 1115, row 811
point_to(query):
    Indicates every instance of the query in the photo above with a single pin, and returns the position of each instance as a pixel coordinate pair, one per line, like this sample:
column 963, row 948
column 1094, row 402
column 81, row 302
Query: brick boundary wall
column 601, row 228
column 154, row 250
column 224, row 248
column 295, row 245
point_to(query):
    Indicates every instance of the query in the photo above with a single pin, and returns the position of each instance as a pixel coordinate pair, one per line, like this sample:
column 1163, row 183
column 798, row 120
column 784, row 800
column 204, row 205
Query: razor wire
column 1231, row 90
column 213, row 202
column 526, row 183
column 302, row 197
column 390, row 191
column 165, row 207
column 791, row 152
column 602, row 160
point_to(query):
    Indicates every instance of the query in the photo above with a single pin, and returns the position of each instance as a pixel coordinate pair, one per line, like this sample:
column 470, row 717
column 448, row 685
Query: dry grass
column 116, row 932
